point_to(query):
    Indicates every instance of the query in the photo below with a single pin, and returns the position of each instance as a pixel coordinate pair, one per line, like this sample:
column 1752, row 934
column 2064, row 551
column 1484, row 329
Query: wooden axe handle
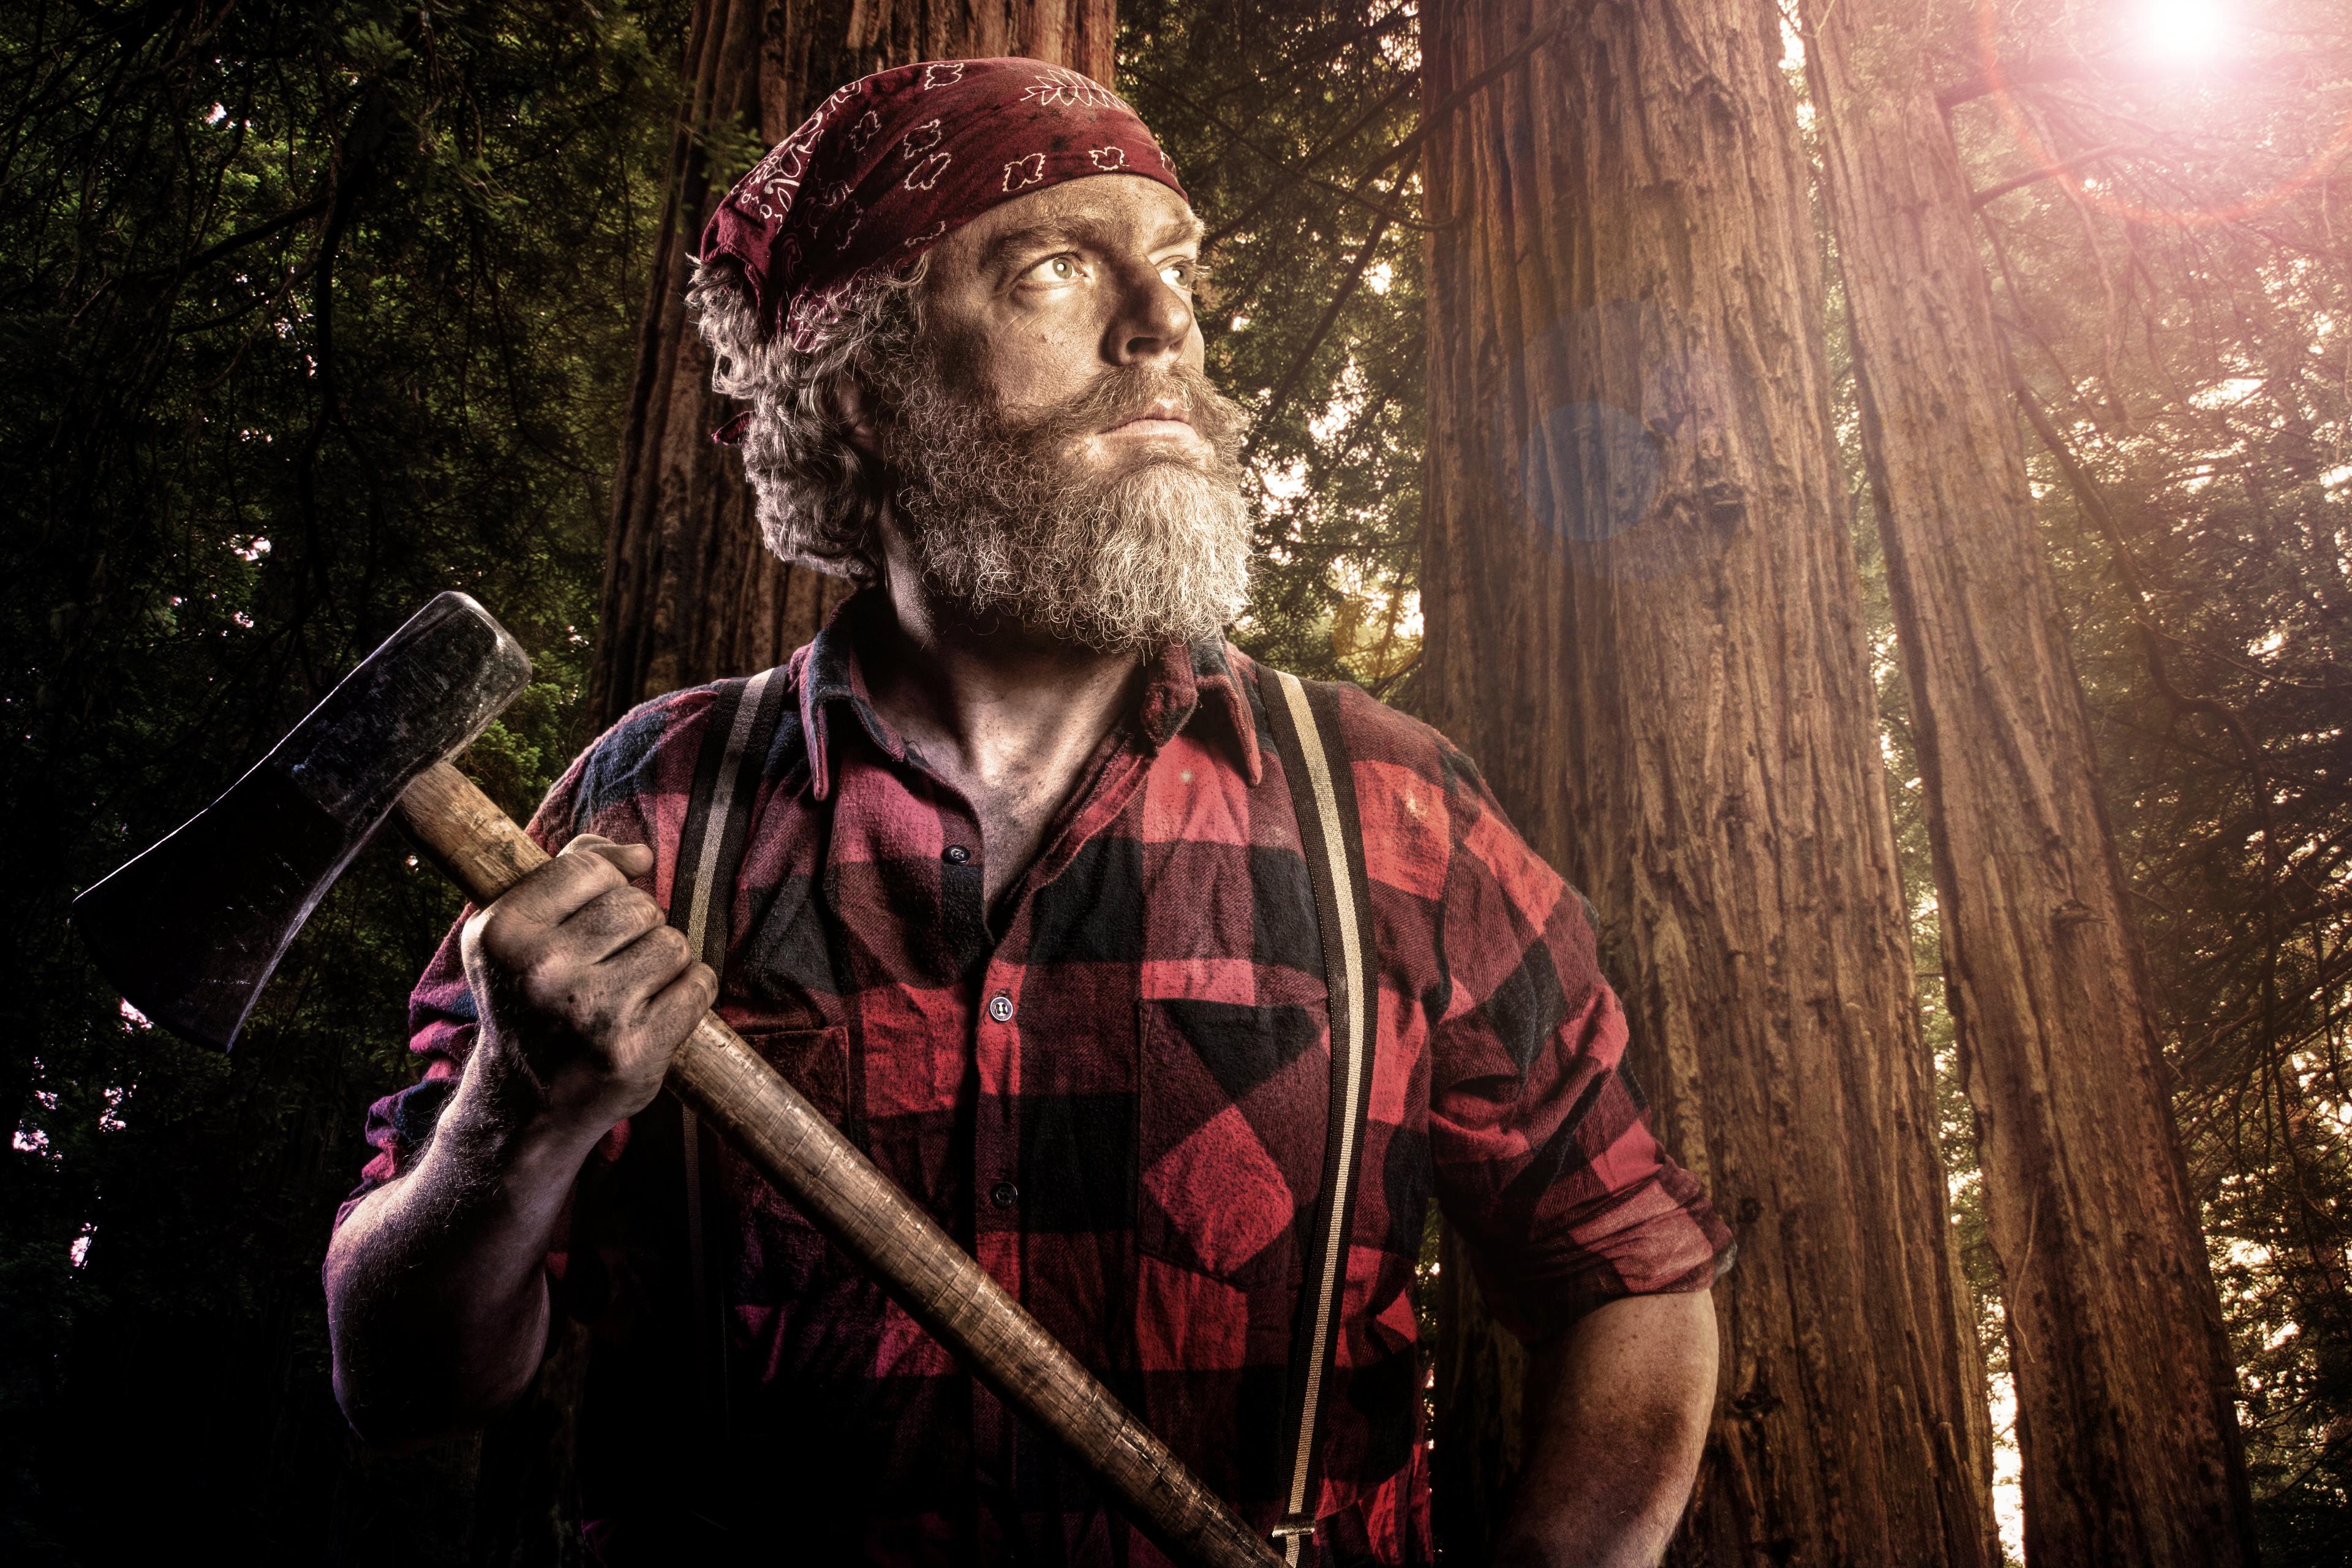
column 811, row 1162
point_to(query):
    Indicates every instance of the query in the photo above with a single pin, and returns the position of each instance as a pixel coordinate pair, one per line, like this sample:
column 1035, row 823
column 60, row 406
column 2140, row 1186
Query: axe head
column 190, row 931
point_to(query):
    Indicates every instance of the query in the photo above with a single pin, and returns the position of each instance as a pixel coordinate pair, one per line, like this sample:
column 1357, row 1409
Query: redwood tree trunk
column 2125, row 1407
column 689, row 593
column 1643, row 621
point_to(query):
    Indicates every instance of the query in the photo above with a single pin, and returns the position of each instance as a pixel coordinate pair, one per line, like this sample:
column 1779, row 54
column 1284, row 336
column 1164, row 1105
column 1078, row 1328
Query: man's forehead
column 1138, row 211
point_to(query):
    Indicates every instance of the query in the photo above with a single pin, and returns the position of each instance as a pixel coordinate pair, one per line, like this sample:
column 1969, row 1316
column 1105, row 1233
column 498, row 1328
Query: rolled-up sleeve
column 1541, row 1147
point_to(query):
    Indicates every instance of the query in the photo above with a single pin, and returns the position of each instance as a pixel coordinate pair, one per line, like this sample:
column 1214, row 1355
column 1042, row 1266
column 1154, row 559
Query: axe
column 191, row 930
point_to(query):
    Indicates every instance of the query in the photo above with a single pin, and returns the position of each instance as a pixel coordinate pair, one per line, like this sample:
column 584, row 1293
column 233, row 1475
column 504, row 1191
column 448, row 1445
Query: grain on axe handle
column 807, row 1158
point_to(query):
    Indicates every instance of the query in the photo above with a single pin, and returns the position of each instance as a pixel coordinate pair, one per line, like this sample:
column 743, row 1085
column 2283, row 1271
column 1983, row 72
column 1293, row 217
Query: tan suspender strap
column 1305, row 722
column 707, row 837
column 742, row 722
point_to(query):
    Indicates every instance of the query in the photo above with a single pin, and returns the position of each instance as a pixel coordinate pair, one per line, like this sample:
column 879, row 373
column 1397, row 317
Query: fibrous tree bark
column 689, row 593
column 1643, row 621
column 2125, row 1412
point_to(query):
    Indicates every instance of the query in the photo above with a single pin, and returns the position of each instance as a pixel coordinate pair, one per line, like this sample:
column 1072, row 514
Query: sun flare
column 2184, row 31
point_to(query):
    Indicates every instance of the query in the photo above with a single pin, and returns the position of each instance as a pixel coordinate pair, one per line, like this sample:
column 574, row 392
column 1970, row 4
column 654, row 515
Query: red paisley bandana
column 890, row 164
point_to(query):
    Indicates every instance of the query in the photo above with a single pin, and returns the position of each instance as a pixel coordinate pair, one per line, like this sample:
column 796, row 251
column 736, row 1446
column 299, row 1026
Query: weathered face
column 1057, row 456
column 1044, row 294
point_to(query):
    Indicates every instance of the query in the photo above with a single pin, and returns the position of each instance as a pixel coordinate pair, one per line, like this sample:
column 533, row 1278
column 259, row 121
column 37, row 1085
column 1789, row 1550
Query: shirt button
column 1000, row 1007
column 956, row 855
column 1003, row 1195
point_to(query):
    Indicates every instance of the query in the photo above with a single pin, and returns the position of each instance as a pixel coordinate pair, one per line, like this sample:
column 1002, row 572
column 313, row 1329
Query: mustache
column 1127, row 391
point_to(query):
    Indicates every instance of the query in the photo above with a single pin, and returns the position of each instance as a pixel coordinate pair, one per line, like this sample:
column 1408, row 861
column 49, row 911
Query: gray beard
column 1005, row 527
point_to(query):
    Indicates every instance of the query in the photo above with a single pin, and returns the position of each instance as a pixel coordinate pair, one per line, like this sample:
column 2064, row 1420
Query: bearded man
column 1012, row 889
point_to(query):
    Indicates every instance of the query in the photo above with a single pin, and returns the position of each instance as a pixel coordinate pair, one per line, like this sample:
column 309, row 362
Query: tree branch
column 1299, row 171
column 1460, row 96
column 254, row 234
column 2035, row 177
column 1288, row 383
column 2225, row 718
column 2007, row 76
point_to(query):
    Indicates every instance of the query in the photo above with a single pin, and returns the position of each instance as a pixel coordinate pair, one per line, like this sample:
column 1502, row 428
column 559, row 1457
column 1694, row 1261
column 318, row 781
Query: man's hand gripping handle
column 809, row 1160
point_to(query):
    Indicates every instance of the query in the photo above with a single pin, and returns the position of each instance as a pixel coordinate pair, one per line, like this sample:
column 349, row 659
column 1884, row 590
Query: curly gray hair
column 819, row 498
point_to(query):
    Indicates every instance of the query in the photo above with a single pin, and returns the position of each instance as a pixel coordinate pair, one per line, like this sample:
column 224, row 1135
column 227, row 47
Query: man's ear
column 859, row 416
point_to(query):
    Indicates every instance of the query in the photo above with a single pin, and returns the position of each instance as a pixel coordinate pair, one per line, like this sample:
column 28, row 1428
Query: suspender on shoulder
column 1305, row 720
column 1304, row 717
column 735, row 742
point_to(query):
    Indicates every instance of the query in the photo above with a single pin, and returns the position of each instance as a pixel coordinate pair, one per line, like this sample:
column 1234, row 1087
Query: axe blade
column 191, row 929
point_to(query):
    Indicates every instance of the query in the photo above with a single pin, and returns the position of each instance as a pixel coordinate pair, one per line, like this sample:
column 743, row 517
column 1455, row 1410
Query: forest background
column 310, row 311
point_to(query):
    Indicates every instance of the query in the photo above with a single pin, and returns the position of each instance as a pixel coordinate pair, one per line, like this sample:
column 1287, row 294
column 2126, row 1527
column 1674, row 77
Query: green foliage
column 309, row 313
column 1286, row 124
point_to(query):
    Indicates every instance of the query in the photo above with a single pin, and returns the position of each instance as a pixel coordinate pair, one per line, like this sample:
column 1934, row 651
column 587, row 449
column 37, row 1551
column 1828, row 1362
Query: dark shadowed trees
column 309, row 313
column 1643, row 621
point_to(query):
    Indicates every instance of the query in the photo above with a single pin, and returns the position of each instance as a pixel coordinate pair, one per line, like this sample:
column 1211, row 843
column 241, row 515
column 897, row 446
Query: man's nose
column 1153, row 318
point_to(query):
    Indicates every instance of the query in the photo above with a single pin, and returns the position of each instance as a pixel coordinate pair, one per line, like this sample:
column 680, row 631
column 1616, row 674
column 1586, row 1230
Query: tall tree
column 689, row 593
column 2126, row 1416
column 1643, row 620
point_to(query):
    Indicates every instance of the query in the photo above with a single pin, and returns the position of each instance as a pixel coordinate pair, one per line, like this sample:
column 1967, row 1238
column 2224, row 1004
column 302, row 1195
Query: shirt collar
column 1187, row 677
column 1183, row 679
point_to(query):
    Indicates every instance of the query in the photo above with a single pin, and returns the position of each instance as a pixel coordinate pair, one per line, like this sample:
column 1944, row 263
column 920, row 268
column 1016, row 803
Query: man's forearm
column 436, row 1293
column 1618, row 1414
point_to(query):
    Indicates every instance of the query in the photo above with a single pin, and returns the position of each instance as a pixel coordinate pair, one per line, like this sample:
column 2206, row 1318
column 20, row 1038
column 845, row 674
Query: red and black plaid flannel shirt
column 1116, row 1096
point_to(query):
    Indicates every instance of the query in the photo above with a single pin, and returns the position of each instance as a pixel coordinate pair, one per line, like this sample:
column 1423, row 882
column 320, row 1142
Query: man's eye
column 1179, row 272
column 1056, row 269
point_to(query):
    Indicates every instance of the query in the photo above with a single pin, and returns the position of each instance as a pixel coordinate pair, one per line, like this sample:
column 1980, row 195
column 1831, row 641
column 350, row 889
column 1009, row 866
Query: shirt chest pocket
column 780, row 1248
column 1231, row 1104
column 814, row 1061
